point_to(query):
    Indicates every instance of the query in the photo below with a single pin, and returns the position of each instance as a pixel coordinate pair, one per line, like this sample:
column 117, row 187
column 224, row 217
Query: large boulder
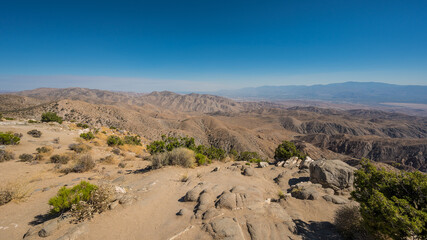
column 334, row 174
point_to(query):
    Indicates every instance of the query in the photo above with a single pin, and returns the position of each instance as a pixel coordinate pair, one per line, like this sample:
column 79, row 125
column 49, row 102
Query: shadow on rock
column 41, row 218
column 317, row 230
column 294, row 181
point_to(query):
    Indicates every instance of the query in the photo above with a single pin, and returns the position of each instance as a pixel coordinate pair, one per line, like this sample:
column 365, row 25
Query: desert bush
column 392, row 204
column 25, row 157
column 84, row 164
column 167, row 144
column 9, row 138
column 116, row 151
column 113, row 128
column 1, row 116
column 38, row 157
column 87, row 136
column 79, row 147
column 202, row 159
column 6, row 155
column 32, row 121
column 114, row 141
column 62, row 159
column 122, row 165
column 132, row 140
column 348, row 221
column 13, row 191
column 51, row 117
column 180, row 156
column 287, row 150
column 44, row 149
column 56, row 140
column 98, row 202
column 66, row 197
column 110, row 159
column 9, row 118
column 82, row 125
column 214, row 153
column 248, row 156
column 35, row 133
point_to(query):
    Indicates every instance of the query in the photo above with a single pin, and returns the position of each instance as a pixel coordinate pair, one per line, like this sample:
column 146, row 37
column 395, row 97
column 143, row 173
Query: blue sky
column 210, row 45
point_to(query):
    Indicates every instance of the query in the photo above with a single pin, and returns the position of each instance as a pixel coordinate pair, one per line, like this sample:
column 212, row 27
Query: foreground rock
column 333, row 174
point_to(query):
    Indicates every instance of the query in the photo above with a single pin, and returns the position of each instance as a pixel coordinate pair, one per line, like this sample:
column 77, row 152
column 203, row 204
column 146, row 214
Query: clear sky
column 209, row 45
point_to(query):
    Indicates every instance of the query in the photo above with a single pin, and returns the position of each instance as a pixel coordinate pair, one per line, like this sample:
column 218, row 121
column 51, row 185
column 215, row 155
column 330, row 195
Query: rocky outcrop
column 334, row 174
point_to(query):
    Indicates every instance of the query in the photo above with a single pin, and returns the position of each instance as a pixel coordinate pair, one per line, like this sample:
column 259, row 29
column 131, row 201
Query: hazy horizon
column 210, row 45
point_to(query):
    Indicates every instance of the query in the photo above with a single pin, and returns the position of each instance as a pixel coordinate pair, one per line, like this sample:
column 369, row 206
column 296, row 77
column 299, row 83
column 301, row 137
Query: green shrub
column 32, row 121
column 9, row 138
column 87, row 136
column 82, row 125
column 35, row 133
column 214, row 153
column 168, row 144
column 9, row 118
column 51, row 117
column 287, row 150
column 66, row 197
column 392, row 204
column 202, row 159
column 132, row 140
column 114, row 141
column 113, row 128
column 1, row 116
column 25, row 157
column 62, row 159
column 6, row 155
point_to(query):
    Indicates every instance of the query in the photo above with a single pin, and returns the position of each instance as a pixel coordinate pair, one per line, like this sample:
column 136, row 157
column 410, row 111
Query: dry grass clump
column 179, row 156
column 13, row 191
column 137, row 149
column 79, row 147
column 348, row 221
column 6, row 155
column 83, row 164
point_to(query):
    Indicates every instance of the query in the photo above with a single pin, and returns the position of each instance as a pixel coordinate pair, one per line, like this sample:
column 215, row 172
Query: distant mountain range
column 354, row 92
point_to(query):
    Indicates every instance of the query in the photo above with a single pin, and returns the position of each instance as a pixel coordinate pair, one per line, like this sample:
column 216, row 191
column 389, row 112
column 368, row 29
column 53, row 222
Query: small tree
column 287, row 150
column 392, row 204
column 51, row 117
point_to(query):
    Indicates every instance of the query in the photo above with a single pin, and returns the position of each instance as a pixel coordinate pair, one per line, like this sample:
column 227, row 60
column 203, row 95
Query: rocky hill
column 244, row 126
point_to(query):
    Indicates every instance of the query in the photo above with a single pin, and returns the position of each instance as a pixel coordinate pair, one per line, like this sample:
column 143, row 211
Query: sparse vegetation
column 281, row 195
column 32, row 121
column 62, row 159
column 6, row 156
column 82, row 125
column 114, row 141
column 25, row 157
column 392, row 204
column 87, row 136
column 116, row 151
column 51, row 117
column 110, row 159
column 35, row 133
column 9, row 138
column 287, row 150
column 79, row 147
column 184, row 178
column 132, row 140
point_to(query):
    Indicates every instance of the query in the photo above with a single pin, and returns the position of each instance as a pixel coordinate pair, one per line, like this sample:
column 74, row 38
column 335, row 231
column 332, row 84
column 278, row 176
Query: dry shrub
column 83, row 164
column 348, row 221
column 13, row 191
column 25, row 157
column 137, row 149
column 179, row 156
column 79, row 147
column 98, row 202
column 6, row 155
column 62, row 159
column 110, row 159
